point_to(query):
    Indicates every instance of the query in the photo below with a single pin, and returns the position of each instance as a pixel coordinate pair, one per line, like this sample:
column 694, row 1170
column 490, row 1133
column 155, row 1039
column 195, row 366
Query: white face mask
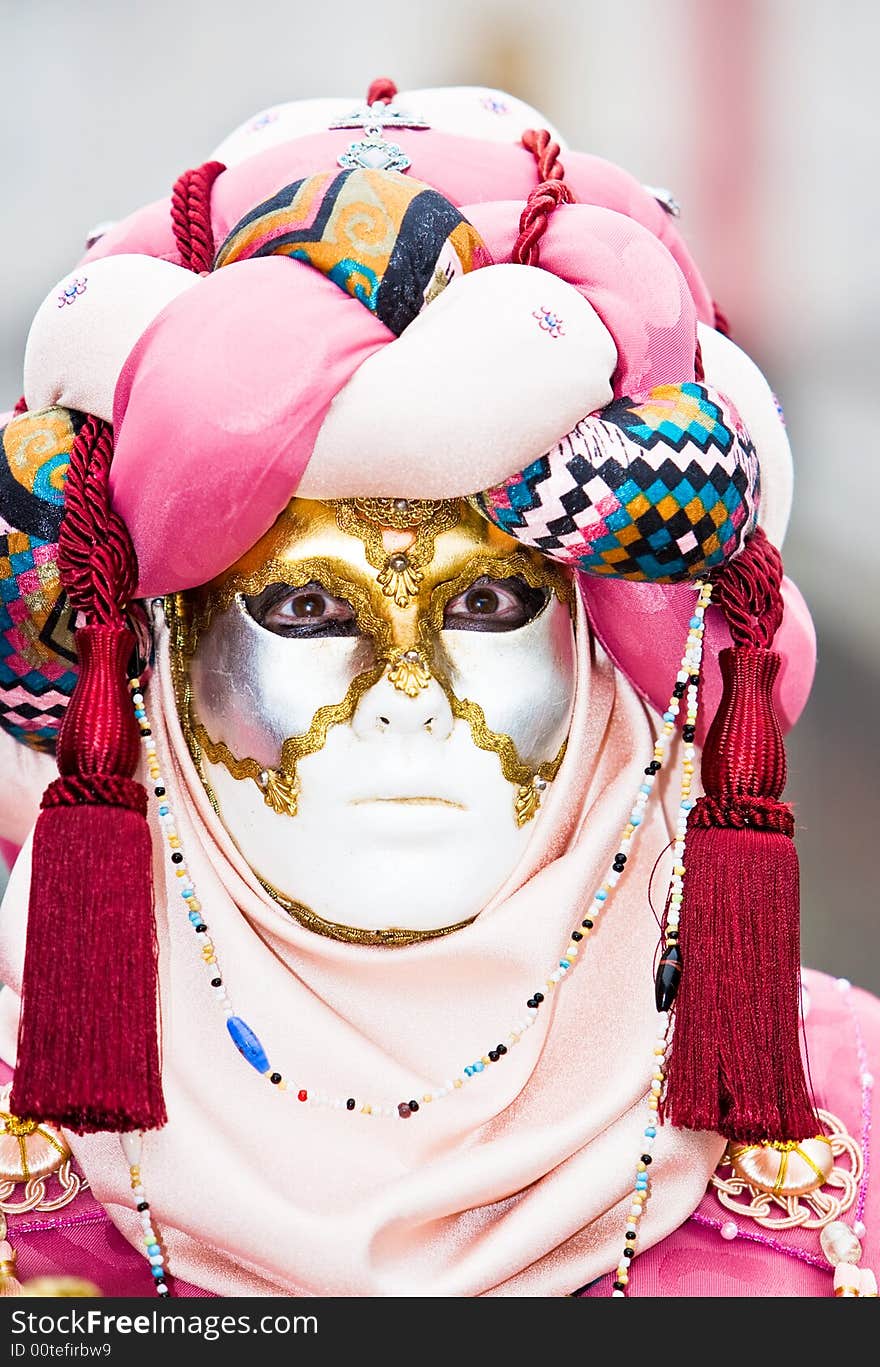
column 406, row 692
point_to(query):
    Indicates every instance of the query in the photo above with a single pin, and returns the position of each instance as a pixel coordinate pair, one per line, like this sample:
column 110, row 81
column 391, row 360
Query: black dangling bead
column 668, row 977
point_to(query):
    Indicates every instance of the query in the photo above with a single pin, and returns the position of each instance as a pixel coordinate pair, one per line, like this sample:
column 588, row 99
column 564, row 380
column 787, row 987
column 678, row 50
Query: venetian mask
column 377, row 695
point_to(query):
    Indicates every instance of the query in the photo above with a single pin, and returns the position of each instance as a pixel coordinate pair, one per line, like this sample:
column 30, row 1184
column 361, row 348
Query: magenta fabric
column 465, row 170
column 843, row 1037
column 8, row 852
column 843, row 1041
column 217, row 409
column 628, row 276
column 643, row 628
column 219, row 404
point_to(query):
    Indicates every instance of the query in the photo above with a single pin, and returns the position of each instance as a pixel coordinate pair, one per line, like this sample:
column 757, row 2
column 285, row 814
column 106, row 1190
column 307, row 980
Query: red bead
column 404, row 1111
column 302, row 1095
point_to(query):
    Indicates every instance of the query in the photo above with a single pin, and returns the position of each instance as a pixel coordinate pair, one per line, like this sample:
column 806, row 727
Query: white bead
column 132, row 1147
column 867, row 1080
column 156, row 1259
column 635, row 1210
column 729, row 1229
column 859, row 1229
column 843, row 984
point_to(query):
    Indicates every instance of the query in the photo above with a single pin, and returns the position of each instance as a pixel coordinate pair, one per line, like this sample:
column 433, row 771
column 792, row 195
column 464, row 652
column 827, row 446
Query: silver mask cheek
column 524, row 680
column 253, row 689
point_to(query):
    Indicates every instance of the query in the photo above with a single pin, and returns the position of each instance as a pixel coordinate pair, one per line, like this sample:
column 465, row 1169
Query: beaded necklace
column 249, row 1045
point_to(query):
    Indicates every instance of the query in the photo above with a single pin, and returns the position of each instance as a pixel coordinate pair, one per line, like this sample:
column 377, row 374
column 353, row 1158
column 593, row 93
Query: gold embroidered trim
column 393, row 937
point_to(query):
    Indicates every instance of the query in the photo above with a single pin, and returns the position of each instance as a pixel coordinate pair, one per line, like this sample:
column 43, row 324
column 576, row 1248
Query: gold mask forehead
column 398, row 577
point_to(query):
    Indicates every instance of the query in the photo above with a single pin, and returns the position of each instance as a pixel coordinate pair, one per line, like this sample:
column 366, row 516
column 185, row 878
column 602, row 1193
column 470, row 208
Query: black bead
column 414, row 1105
column 160, row 791
column 630, row 1234
column 618, row 868
column 349, row 1105
column 177, row 857
column 679, row 688
column 576, row 936
column 275, row 1078
column 620, row 857
column 143, row 1205
column 216, row 982
column 145, row 731
column 695, row 680
column 646, row 1159
column 689, row 732
column 493, row 1055
column 201, row 928
column 668, row 977
column 672, row 935
column 539, row 997
column 618, row 1286
column 629, row 1253
column 588, row 924
column 502, row 1049
column 531, row 1003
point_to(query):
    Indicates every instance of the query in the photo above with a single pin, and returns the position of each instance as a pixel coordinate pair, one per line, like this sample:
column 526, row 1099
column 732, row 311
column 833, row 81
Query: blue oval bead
column 247, row 1044
column 478, row 1067
column 153, row 1250
column 158, row 1272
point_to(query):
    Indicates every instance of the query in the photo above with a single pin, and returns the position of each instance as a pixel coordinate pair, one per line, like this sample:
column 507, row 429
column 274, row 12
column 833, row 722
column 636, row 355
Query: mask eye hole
column 495, row 605
column 302, row 612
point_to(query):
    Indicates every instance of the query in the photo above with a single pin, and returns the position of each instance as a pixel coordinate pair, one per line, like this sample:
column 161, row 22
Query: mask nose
column 386, row 710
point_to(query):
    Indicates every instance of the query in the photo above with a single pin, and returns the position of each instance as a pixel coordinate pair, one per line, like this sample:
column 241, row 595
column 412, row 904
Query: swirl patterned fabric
column 37, row 655
column 387, row 240
column 660, row 489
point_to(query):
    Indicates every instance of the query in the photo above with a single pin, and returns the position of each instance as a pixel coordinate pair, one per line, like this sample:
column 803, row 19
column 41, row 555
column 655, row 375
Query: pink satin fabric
column 516, row 1185
column 694, row 1260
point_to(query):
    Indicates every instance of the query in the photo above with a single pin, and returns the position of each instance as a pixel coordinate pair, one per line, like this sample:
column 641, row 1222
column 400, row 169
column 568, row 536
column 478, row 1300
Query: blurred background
column 761, row 116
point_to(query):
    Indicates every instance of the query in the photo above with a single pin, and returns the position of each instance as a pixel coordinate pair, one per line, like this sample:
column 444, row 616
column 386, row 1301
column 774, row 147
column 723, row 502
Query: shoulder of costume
column 841, row 1032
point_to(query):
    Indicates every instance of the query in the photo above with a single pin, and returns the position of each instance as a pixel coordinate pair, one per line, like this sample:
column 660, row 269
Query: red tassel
column 735, row 1064
column 88, row 1054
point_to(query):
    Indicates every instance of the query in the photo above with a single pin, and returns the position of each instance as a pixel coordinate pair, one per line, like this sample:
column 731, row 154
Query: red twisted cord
column 99, row 790
column 550, row 192
column 756, row 813
column 749, row 592
column 721, row 323
column 381, row 91
column 96, row 558
column 191, row 215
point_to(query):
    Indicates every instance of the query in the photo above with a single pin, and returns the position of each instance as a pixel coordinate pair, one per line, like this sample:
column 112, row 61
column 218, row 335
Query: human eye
column 305, row 612
column 494, row 605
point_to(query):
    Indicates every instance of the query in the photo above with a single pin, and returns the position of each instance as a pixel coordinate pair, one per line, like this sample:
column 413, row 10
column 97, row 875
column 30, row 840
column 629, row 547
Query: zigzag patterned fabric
column 387, row 240
column 661, row 489
column 37, row 654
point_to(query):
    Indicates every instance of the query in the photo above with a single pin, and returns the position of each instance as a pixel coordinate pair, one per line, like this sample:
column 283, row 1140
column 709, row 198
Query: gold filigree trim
column 528, row 800
column 403, row 514
column 519, row 562
column 401, row 571
column 409, row 673
column 332, row 573
column 780, row 1209
column 393, row 937
column 280, row 792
